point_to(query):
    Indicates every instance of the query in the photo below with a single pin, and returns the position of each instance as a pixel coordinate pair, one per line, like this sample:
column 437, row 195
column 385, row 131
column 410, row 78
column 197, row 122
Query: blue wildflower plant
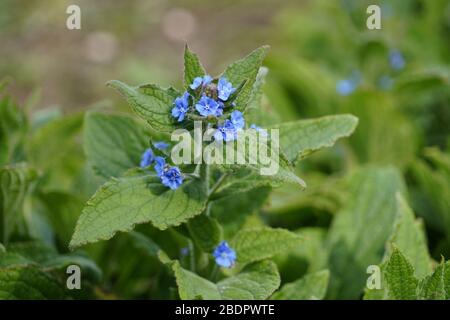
column 188, row 204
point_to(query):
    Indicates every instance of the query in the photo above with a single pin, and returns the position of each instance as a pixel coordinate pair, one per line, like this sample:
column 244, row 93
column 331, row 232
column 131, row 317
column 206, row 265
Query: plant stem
column 214, row 273
column 217, row 184
column 191, row 256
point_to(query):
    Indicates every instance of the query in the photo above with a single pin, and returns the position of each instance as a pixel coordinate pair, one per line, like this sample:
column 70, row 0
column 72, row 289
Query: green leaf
column 192, row 67
column 352, row 241
column 254, row 171
column 62, row 211
column 14, row 185
column 400, row 280
column 437, row 285
column 59, row 138
column 312, row 286
column 232, row 210
column 28, row 283
column 150, row 102
column 263, row 243
column 205, row 231
column 300, row 138
column 192, row 286
column 120, row 204
column 310, row 257
column 257, row 92
column 113, row 143
column 409, row 237
column 145, row 243
column 435, row 187
column 13, row 128
column 257, row 281
column 48, row 259
column 245, row 69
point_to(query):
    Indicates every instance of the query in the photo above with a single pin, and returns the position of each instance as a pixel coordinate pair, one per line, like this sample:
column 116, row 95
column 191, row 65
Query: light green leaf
column 14, row 185
column 28, row 283
column 150, row 102
column 312, row 286
column 120, row 204
column 192, row 286
column 113, row 143
column 256, row 282
column 437, row 285
column 310, row 257
column 192, row 67
column 409, row 237
column 353, row 243
column 205, row 231
column 257, row 92
column 400, row 280
column 300, row 138
column 263, row 243
column 245, row 69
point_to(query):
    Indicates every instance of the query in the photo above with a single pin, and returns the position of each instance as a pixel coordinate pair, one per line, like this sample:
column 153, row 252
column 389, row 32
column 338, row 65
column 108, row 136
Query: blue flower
column 225, row 256
column 237, row 119
column 225, row 89
column 147, row 158
column 262, row 131
column 396, row 60
column 345, row 87
column 172, row 177
column 226, row 131
column 160, row 165
column 207, row 106
column 201, row 81
column 181, row 107
column 161, row 145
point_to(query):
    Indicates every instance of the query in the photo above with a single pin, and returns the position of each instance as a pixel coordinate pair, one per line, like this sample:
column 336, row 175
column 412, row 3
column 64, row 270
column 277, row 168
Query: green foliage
column 313, row 286
column 379, row 198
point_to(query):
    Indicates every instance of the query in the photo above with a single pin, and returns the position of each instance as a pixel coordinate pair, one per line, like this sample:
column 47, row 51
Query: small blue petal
column 196, row 83
column 201, row 81
column 225, row 89
column 160, row 164
column 237, row 119
column 161, row 145
column 147, row 158
column 207, row 80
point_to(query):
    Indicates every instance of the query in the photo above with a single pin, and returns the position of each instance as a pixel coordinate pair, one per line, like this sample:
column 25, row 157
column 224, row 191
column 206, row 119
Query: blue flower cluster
column 210, row 97
column 170, row 175
column 224, row 255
